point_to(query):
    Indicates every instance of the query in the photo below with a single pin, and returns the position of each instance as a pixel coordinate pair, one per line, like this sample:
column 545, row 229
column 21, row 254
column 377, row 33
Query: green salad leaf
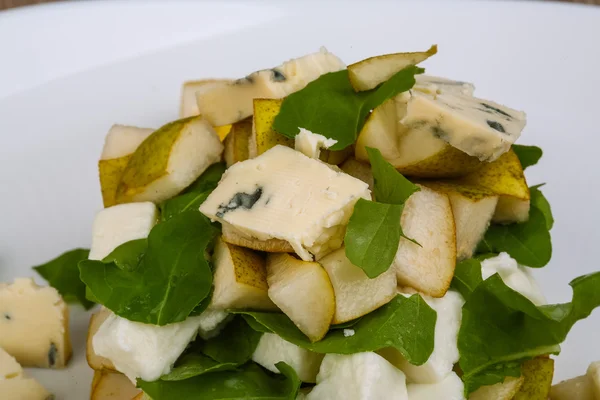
column 209, row 179
column 235, row 344
column 63, row 275
column 248, row 382
column 373, row 233
column 514, row 328
column 329, row 106
column 128, row 256
column 195, row 364
column 467, row 276
column 539, row 201
column 406, row 324
column 528, row 242
column 528, row 155
column 172, row 278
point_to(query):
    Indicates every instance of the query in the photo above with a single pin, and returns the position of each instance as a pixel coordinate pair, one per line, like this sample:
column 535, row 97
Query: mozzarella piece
column 515, row 276
column 445, row 351
column 116, row 225
column 122, row 140
column 310, row 144
column 211, row 323
column 14, row 385
column 34, row 324
column 436, row 85
column 142, row 350
column 226, row 103
column 272, row 349
column 450, row 388
column 359, row 376
column 282, row 194
column 480, row 128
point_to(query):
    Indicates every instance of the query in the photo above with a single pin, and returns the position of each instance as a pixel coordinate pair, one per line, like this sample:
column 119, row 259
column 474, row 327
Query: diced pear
column 413, row 152
column 169, row 160
column 428, row 266
column 505, row 178
column 233, row 236
column 289, row 282
column 226, row 103
column 189, row 107
column 355, row 294
column 369, row 73
column 537, row 379
column 580, row 388
column 500, row 391
column 240, row 279
column 236, row 143
column 112, row 386
column 95, row 361
column 593, row 372
column 359, row 170
column 473, row 208
column 263, row 136
column 120, row 143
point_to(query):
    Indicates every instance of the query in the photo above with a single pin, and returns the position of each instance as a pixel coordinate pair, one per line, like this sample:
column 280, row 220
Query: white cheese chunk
column 445, row 351
column 480, row 128
column 34, row 324
column 142, row 350
column 310, row 144
column 118, row 224
column 212, row 323
column 515, row 276
column 122, row 140
column 359, row 376
column 14, row 385
column 282, row 194
column 437, row 85
column 450, row 388
column 272, row 349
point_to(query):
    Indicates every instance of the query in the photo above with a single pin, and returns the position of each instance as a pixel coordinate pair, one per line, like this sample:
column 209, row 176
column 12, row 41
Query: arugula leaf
column 541, row 203
column 390, row 186
column 63, row 275
column 209, row 179
column 373, row 235
column 129, row 255
column 330, row 106
column 182, row 203
column 194, row 364
column 172, row 279
column 495, row 374
column 514, row 328
column 345, row 325
column 528, row 155
column 235, row 344
column 467, row 276
column 248, row 382
column 406, row 324
column 529, row 242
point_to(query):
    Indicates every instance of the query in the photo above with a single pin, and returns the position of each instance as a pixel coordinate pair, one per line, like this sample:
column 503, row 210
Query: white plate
column 69, row 71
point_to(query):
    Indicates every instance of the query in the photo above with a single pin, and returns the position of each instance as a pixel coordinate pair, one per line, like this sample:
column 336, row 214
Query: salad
column 311, row 231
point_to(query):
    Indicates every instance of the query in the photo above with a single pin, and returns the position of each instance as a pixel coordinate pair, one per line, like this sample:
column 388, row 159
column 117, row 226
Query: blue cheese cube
column 14, row 385
column 480, row 128
column 282, row 194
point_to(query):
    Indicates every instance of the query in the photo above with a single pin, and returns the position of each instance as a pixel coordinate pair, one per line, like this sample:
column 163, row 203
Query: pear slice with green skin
column 120, row 143
column 112, row 386
column 473, row 208
column 355, row 293
column 537, row 374
column 264, row 137
column 236, row 143
column 240, row 280
column 505, row 178
column 169, row 160
column 369, row 73
column 96, row 362
column 413, row 152
column 302, row 290
column 233, row 236
column 500, row 391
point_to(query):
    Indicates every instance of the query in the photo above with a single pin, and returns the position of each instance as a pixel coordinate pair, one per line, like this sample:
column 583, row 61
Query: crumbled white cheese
column 348, row 332
column 310, row 144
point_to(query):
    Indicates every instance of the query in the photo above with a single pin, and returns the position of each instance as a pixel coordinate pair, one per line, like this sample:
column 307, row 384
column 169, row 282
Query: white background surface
column 69, row 71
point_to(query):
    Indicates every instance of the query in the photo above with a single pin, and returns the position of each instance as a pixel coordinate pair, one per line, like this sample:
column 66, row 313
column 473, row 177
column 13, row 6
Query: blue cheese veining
column 282, row 194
